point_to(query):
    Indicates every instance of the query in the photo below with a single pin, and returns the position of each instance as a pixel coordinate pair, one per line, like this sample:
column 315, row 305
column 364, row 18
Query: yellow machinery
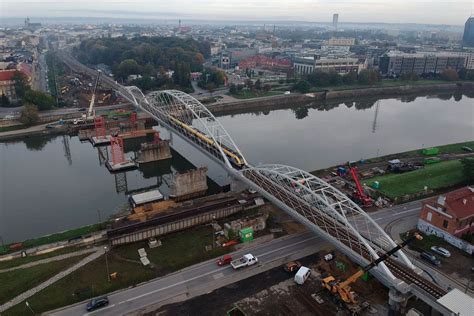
column 234, row 158
column 343, row 289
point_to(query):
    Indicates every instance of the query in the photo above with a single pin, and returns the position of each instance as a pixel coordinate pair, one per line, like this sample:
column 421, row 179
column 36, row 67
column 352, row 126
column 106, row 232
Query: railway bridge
column 322, row 208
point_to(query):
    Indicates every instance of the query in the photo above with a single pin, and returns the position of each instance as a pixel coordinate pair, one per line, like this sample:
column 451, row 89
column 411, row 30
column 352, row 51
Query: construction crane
column 343, row 290
column 91, row 113
column 359, row 194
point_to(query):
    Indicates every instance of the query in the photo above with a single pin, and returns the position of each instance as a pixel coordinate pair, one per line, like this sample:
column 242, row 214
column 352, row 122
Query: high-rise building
column 468, row 37
column 335, row 19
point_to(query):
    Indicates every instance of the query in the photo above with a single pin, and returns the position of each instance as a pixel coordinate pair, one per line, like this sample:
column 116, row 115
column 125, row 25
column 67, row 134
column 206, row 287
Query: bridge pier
column 397, row 302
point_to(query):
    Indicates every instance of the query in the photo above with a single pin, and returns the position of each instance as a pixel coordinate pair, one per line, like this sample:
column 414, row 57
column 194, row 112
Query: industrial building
column 304, row 66
column 396, row 63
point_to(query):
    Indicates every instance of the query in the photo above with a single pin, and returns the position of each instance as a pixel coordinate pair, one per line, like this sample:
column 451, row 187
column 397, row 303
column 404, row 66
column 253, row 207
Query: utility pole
column 100, row 217
column 29, row 307
column 107, row 263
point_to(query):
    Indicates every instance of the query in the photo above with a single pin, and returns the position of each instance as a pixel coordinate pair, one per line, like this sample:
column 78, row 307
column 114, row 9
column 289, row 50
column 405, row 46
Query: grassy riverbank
column 436, row 176
column 178, row 251
column 65, row 235
column 18, row 281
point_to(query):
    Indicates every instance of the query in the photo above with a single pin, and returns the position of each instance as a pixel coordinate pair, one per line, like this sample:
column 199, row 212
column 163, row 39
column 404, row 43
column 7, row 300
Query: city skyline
column 451, row 12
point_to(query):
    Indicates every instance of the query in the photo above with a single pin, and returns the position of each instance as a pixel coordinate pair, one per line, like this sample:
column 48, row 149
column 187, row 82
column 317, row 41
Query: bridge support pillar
column 397, row 302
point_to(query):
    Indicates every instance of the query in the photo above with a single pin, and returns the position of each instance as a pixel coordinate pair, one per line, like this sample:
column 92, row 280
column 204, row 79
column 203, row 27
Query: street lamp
column 31, row 309
column 107, row 263
column 213, row 231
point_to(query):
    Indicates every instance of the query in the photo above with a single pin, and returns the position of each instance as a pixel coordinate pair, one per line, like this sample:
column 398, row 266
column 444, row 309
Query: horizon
column 444, row 12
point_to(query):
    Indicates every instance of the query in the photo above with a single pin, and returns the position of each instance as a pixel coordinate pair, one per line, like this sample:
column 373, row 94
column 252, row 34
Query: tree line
column 146, row 56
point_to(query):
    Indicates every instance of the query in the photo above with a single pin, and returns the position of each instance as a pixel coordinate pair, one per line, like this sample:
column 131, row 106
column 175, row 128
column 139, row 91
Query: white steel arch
column 328, row 208
column 176, row 105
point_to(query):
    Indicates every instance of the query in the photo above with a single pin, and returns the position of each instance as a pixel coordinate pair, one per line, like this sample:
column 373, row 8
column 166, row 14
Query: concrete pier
column 126, row 165
column 99, row 141
column 189, row 184
column 154, row 151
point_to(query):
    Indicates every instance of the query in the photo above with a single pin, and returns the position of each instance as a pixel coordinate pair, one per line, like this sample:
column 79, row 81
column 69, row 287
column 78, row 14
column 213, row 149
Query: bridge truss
column 310, row 200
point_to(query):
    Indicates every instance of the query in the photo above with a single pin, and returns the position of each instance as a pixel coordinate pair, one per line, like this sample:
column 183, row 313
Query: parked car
column 430, row 258
column 225, row 260
column 441, row 251
column 97, row 302
column 287, row 92
column 292, row 266
column 82, row 110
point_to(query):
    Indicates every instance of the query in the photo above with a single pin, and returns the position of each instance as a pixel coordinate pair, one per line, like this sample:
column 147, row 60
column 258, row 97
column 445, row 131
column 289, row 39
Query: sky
column 452, row 12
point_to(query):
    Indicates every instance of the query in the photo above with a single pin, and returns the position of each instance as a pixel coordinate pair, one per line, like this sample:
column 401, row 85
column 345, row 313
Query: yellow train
column 235, row 158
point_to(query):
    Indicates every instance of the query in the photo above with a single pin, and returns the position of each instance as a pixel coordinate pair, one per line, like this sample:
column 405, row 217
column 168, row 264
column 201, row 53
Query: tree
column 258, row 85
column 20, row 81
column 4, row 101
column 302, row 86
column 42, row 100
column 126, row 68
column 350, row 78
column 368, row 77
column 211, row 87
column 267, row 87
column 233, row 89
column 468, row 169
column 449, row 75
column 29, row 115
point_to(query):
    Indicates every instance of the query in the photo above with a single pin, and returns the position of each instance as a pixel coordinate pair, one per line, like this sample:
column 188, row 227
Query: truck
column 246, row 260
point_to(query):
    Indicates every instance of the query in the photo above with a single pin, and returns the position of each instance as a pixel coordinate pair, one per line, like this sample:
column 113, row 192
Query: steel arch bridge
column 310, row 200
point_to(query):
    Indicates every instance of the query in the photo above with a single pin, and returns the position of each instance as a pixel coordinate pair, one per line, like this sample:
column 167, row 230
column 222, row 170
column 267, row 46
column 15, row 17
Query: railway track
column 342, row 233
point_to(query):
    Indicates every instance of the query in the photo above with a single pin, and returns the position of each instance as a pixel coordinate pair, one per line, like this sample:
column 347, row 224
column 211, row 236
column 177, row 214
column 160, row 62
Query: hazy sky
column 399, row 11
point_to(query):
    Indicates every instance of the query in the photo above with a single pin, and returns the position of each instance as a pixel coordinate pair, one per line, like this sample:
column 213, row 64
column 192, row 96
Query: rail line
column 342, row 234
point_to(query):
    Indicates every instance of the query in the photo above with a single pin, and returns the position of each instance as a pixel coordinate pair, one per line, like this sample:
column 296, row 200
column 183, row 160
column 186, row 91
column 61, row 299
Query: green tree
column 4, row 101
column 20, row 81
column 449, row 75
column 468, row 169
column 233, row 89
column 350, row 78
column 126, row 68
column 267, row 87
column 258, row 85
column 302, row 86
column 369, row 77
column 42, row 100
column 29, row 115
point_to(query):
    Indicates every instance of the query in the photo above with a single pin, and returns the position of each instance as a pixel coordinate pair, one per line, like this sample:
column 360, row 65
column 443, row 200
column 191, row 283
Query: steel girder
column 328, row 208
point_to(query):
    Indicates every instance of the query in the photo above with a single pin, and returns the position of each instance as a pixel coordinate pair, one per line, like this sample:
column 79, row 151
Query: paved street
column 205, row 277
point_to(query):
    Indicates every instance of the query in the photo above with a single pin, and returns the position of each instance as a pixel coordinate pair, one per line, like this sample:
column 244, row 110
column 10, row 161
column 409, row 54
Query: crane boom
column 90, row 112
column 359, row 193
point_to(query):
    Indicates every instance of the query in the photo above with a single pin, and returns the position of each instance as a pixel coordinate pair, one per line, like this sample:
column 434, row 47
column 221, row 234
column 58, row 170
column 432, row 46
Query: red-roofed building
column 6, row 83
column 449, row 215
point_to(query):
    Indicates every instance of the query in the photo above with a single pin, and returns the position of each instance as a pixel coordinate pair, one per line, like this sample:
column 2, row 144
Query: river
column 46, row 186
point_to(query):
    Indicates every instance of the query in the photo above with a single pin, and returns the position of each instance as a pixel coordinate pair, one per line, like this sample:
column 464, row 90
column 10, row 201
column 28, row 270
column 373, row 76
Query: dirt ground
column 275, row 293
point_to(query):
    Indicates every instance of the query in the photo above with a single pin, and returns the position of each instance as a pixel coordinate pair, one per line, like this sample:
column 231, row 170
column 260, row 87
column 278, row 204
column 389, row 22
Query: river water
column 46, row 186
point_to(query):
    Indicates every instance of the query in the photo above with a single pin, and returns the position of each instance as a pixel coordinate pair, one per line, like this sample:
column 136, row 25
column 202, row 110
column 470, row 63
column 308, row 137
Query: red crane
column 359, row 194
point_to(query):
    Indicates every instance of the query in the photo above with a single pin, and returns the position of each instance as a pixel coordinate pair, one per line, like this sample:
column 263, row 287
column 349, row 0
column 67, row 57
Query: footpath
column 60, row 275
column 52, row 259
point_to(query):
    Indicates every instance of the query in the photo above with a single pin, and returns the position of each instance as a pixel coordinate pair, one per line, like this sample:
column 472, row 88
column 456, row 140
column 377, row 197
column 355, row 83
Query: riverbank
column 339, row 95
column 445, row 175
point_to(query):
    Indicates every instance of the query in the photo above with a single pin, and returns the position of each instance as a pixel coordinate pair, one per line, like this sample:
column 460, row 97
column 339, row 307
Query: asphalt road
column 207, row 276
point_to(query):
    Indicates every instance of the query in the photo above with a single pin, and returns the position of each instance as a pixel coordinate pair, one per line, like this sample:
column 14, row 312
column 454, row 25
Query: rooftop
column 459, row 203
column 6, row 75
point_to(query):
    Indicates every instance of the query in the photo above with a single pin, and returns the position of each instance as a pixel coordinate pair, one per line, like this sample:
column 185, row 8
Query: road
column 207, row 276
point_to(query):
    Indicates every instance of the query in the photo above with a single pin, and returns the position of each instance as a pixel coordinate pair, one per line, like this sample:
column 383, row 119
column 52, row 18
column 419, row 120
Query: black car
column 97, row 302
column 82, row 110
column 430, row 258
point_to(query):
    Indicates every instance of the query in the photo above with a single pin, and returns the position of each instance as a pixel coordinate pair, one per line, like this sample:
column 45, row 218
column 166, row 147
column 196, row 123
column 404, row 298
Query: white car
column 441, row 251
column 9, row 117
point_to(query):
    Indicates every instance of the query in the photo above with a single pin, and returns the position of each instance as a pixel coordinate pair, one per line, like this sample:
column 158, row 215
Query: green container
column 366, row 276
column 376, row 185
column 430, row 151
column 246, row 234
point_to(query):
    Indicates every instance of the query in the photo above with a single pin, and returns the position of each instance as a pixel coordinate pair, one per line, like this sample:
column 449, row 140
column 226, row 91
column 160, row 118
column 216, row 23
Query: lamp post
column 29, row 307
column 107, row 263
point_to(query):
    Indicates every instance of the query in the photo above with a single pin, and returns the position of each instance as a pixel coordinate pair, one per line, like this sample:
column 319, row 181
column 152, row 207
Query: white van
column 302, row 274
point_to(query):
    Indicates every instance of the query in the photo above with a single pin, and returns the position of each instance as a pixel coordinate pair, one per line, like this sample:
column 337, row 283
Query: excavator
column 343, row 291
